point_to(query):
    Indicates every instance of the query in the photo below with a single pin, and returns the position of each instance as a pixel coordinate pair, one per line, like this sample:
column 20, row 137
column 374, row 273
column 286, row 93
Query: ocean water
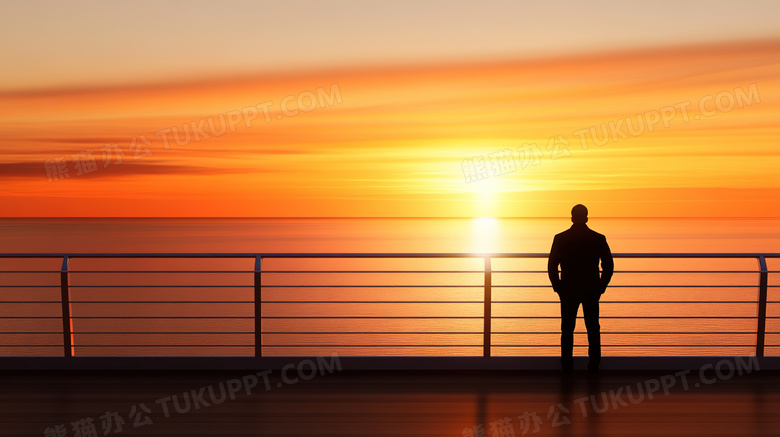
column 378, row 235
column 129, row 306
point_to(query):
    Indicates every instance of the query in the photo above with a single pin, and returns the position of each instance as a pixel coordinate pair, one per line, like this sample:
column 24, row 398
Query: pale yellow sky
column 47, row 44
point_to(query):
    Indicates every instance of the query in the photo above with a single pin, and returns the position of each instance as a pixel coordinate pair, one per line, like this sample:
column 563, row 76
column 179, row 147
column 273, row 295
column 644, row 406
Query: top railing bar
column 372, row 255
column 634, row 271
column 373, row 271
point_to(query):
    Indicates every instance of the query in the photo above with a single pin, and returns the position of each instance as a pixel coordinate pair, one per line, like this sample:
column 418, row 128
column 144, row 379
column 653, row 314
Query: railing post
column 258, row 308
column 762, row 298
column 67, row 326
column 488, row 306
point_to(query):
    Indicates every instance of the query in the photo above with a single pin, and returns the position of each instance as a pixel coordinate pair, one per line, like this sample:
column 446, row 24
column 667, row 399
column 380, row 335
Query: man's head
column 579, row 214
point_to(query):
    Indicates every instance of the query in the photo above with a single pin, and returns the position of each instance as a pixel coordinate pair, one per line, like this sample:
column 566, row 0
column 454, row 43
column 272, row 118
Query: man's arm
column 552, row 265
column 607, row 265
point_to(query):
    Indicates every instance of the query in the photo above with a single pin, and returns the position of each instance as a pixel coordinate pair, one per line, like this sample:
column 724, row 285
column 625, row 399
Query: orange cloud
column 391, row 142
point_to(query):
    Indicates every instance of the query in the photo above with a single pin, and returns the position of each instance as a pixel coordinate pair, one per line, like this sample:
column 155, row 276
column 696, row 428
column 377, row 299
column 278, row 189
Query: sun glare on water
column 485, row 234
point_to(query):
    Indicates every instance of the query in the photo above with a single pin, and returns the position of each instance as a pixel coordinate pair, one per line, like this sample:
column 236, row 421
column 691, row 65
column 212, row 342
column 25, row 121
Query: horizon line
column 390, row 217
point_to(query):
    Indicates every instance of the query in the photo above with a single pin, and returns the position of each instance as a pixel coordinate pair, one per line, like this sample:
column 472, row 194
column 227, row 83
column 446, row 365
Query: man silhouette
column 578, row 251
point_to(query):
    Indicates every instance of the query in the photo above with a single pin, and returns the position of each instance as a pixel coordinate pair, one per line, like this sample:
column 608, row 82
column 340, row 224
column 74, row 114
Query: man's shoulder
column 597, row 234
column 579, row 233
column 561, row 236
column 601, row 238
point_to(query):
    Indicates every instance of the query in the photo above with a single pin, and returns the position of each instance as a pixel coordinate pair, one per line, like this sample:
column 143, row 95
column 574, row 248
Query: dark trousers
column 590, row 309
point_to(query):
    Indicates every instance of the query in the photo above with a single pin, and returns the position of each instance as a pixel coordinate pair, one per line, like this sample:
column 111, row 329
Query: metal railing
column 66, row 302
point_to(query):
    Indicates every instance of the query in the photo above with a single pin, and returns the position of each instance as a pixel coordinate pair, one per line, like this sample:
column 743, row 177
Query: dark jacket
column 578, row 251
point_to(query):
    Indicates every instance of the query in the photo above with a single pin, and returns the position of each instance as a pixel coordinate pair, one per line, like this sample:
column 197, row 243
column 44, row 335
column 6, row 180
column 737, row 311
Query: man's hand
column 604, row 284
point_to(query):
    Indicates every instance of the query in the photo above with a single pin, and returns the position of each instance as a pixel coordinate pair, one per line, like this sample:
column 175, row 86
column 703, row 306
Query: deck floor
column 390, row 403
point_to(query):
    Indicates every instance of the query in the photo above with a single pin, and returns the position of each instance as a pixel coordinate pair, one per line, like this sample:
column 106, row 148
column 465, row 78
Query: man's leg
column 569, row 309
column 590, row 310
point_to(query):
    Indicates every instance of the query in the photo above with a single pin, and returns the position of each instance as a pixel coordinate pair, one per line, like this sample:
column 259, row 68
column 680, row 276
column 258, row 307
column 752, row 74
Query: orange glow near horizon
column 393, row 142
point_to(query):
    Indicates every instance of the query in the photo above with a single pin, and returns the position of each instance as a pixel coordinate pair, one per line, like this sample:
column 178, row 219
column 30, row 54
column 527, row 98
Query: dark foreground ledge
column 368, row 363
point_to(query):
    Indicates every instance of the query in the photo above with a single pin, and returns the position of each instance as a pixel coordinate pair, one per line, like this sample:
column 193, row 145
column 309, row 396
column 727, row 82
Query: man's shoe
column 593, row 367
column 567, row 368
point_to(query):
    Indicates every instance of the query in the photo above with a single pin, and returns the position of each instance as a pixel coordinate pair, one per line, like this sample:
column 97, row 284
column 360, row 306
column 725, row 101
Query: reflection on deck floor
column 390, row 403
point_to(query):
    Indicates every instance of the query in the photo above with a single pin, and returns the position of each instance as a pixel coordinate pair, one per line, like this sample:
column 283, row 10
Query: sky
column 389, row 109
